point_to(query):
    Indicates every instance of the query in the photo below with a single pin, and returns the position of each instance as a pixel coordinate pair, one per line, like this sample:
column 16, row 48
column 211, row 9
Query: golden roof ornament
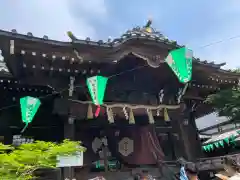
column 148, row 27
column 146, row 31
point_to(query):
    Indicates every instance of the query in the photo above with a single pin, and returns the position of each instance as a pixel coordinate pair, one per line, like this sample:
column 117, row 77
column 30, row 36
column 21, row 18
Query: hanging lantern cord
column 77, row 86
column 25, row 127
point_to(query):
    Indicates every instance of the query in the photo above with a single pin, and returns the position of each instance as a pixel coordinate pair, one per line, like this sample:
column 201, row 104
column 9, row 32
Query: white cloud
column 50, row 17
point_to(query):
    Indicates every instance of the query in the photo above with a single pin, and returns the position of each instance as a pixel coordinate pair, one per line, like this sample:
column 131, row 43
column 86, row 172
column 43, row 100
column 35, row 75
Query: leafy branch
column 227, row 102
column 21, row 162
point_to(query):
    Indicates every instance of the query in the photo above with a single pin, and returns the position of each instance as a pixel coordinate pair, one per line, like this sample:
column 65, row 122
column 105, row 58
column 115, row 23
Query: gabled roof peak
column 137, row 33
column 146, row 30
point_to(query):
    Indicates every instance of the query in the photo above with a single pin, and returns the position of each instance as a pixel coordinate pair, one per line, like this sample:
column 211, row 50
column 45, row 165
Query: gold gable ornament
column 148, row 27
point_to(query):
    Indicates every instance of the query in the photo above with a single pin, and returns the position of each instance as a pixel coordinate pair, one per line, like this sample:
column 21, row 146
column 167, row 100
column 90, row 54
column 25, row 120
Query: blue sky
column 191, row 22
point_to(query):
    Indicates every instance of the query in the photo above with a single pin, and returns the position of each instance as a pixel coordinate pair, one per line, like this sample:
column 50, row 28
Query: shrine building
column 150, row 104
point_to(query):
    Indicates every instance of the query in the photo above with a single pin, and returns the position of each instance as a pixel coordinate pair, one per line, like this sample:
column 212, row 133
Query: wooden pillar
column 177, row 136
column 184, row 125
column 105, row 155
column 194, row 140
column 61, row 107
column 69, row 128
column 69, row 131
column 5, row 129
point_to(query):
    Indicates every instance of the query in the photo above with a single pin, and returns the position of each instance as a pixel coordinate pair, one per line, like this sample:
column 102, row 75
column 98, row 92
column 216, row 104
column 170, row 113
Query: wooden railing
column 211, row 163
column 215, row 162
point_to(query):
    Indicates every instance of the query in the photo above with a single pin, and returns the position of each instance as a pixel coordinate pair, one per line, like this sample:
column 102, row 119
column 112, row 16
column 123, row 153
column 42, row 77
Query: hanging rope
column 77, row 86
column 130, row 106
column 123, row 72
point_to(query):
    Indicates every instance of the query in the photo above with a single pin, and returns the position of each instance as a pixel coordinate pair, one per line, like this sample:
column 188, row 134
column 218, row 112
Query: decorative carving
column 45, row 37
column 80, row 58
column 3, row 66
column 97, row 146
column 153, row 61
column 125, row 146
column 14, row 31
column 146, row 30
column 30, row 34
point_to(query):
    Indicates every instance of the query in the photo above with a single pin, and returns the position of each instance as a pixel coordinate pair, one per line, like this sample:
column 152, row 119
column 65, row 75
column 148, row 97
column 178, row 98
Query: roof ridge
column 136, row 33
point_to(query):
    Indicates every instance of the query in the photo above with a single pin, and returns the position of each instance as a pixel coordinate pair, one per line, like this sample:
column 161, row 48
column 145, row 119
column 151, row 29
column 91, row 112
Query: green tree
column 19, row 163
column 227, row 102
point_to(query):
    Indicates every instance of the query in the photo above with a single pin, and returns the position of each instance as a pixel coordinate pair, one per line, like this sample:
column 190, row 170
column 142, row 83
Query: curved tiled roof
column 224, row 135
column 137, row 33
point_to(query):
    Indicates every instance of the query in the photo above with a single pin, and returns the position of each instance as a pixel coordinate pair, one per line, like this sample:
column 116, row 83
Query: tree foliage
column 227, row 102
column 19, row 163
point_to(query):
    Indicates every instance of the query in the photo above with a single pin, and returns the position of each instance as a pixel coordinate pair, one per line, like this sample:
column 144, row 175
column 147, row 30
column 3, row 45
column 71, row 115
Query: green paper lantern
column 208, row 148
column 29, row 107
column 204, row 148
column 180, row 61
column 216, row 144
column 221, row 143
column 96, row 86
column 226, row 140
column 211, row 146
column 232, row 139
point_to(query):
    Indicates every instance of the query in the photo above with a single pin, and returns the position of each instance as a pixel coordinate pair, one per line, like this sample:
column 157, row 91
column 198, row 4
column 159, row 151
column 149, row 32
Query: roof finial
column 71, row 36
column 148, row 27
